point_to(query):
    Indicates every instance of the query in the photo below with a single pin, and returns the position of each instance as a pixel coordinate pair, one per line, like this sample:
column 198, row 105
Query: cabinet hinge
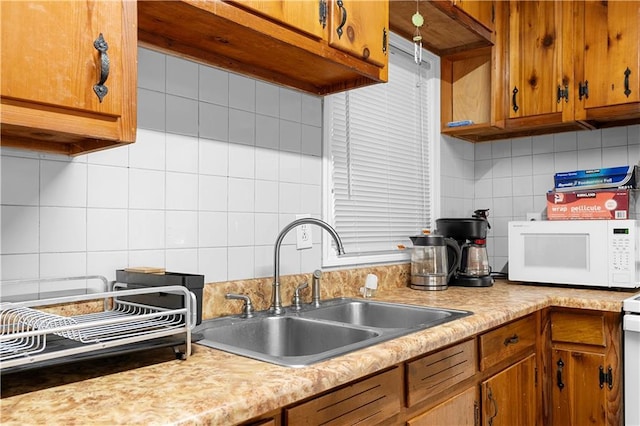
column 606, row 377
column 583, row 90
column 563, row 93
column 535, row 376
column 322, row 12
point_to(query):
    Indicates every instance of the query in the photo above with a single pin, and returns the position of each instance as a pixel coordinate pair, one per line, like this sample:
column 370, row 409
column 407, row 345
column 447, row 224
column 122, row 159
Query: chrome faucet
column 276, row 299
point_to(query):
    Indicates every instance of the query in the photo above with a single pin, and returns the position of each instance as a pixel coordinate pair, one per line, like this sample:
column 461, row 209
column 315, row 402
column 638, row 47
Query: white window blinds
column 379, row 161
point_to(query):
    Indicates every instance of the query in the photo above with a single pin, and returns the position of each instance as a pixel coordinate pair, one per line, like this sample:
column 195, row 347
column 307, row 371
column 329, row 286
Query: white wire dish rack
column 29, row 335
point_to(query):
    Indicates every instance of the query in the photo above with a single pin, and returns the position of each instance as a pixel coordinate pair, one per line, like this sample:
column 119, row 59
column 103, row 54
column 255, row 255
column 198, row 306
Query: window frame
column 329, row 255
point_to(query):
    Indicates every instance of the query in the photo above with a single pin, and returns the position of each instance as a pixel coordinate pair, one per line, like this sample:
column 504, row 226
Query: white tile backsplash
column 242, row 127
column 107, row 229
column 512, row 176
column 268, row 101
column 213, row 85
column 290, row 105
column 20, row 180
column 151, row 70
column 146, row 189
column 242, row 93
column 108, row 187
column 182, row 115
column 149, row 150
column 20, row 229
column 242, row 161
column 213, row 122
column 181, row 191
column 63, row 229
column 181, row 229
column 213, row 193
column 182, row 153
column 290, row 136
column 182, row 78
column 63, row 184
column 146, row 230
column 221, row 163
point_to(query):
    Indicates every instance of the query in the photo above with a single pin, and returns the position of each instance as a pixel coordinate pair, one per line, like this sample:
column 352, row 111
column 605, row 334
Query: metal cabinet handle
column 343, row 21
column 513, row 99
column 101, row 46
column 560, row 365
column 511, row 340
column 627, row 73
column 495, row 406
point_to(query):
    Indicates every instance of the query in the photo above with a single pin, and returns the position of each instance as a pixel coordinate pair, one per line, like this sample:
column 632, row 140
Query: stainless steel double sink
column 337, row 327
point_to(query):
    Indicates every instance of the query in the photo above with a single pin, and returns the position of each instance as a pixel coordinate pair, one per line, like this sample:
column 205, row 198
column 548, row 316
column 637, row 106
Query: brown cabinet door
column 535, row 65
column 48, row 53
column 611, row 40
column 577, row 396
column 360, row 28
column 50, row 70
column 460, row 410
column 481, row 10
column 303, row 15
column 509, row 397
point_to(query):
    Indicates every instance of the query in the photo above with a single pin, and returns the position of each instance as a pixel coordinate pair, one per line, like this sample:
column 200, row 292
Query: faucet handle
column 247, row 307
column 295, row 302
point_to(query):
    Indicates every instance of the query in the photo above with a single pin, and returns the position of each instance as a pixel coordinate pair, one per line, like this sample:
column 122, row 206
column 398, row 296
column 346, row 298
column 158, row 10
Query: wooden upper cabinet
column 482, row 11
column 360, row 28
column 52, row 70
column 308, row 16
column 283, row 42
column 611, row 60
column 535, row 61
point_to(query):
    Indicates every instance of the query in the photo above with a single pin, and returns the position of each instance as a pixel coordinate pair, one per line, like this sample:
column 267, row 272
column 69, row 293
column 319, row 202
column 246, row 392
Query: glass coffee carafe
column 430, row 269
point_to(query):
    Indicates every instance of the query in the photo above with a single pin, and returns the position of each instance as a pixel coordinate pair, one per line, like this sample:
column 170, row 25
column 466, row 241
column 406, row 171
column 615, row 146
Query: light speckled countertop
column 218, row 388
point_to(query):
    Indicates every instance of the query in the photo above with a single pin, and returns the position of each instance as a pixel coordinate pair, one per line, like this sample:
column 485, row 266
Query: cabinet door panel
column 481, row 10
column 534, row 58
column 53, row 61
column 577, row 396
column 611, row 46
column 302, row 14
column 509, row 397
column 360, row 35
column 461, row 410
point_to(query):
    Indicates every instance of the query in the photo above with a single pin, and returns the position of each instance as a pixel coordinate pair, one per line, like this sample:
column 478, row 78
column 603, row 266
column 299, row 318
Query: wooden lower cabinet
column 370, row 401
column 557, row 366
column 459, row 410
column 585, row 363
column 509, row 397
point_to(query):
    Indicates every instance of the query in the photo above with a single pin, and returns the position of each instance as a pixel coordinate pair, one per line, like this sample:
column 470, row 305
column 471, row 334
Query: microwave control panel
column 622, row 251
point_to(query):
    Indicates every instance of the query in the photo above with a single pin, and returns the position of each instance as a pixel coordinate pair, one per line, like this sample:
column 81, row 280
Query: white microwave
column 602, row 253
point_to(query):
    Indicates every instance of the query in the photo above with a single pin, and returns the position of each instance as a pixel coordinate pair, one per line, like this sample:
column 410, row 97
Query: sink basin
column 337, row 327
column 286, row 336
column 383, row 315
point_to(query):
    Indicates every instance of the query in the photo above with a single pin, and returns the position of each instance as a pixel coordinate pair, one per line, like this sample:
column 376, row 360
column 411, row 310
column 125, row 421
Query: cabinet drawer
column 436, row 372
column 506, row 341
column 370, row 401
column 582, row 328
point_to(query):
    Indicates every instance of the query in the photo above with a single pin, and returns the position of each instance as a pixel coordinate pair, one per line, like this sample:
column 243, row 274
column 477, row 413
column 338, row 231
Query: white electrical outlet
column 303, row 233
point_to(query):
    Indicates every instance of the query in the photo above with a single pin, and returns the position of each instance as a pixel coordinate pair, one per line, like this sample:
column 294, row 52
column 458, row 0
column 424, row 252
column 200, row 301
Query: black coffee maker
column 473, row 268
